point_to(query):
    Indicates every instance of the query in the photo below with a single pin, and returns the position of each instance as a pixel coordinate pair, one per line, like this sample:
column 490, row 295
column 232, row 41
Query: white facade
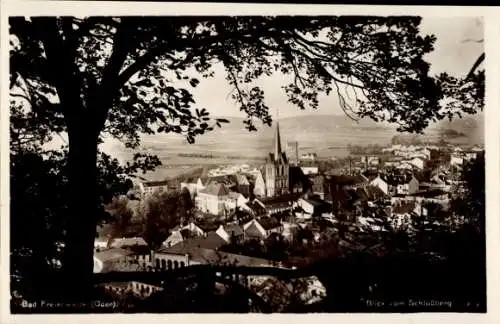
column 212, row 204
column 408, row 188
column 417, row 162
column 381, row 184
column 259, row 189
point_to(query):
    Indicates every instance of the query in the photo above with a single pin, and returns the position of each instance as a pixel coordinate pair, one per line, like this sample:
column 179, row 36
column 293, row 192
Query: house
column 213, row 199
column 231, row 233
column 178, row 255
column 242, row 184
column 193, row 185
column 348, row 181
column 380, row 183
column 261, row 229
column 402, row 214
column 417, row 162
column 312, row 206
column 111, row 259
column 101, row 243
column 181, row 234
column 259, row 187
column 235, row 201
column 278, row 204
column 195, row 256
column 153, row 187
column 402, row 184
column 371, row 194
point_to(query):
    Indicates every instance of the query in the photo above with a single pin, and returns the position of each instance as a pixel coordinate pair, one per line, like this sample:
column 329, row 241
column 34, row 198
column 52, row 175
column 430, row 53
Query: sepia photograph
column 246, row 164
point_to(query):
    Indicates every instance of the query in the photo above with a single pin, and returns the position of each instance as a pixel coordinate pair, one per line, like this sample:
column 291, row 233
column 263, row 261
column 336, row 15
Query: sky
column 455, row 51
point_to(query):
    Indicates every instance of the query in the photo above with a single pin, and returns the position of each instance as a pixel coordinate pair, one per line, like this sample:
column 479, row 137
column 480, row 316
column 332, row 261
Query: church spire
column 277, row 143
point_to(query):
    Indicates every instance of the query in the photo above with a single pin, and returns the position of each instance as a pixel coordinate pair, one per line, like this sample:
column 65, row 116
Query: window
column 176, row 264
column 183, row 264
column 169, row 264
column 157, row 263
column 163, row 264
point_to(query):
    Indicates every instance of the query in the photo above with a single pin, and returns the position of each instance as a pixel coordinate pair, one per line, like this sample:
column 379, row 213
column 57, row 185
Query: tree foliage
column 162, row 212
column 126, row 76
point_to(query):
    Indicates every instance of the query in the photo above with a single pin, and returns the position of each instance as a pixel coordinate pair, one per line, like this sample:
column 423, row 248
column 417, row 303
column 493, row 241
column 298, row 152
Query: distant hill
column 326, row 135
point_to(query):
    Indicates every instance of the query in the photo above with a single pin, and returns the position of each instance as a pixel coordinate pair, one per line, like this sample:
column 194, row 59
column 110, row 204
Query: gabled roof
column 227, row 180
column 233, row 229
column 252, row 231
column 241, row 179
column 211, row 241
column 215, row 189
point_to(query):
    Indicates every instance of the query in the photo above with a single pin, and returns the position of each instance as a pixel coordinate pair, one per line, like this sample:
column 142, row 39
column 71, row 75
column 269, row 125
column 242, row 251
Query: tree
column 101, row 75
column 161, row 213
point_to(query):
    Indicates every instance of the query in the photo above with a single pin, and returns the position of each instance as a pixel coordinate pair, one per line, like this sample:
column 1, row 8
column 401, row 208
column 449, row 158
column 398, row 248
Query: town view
column 128, row 197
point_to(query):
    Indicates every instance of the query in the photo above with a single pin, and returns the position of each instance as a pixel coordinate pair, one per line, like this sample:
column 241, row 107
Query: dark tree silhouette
column 161, row 213
column 101, row 75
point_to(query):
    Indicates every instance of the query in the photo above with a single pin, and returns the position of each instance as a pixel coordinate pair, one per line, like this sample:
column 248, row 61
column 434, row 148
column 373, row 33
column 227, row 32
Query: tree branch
column 478, row 62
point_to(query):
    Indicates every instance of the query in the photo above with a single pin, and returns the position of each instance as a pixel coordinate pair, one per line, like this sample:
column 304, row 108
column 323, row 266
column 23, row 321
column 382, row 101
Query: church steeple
column 277, row 143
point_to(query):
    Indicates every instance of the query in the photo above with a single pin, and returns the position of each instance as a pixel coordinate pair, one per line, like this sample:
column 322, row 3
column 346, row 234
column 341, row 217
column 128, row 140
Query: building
column 111, row 259
column 312, row 207
column 381, row 184
column 262, row 228
column 277, row 169
column 277, row 205
column 231, row 233
column 153, row 187
column 213, row 199
column 259, row 187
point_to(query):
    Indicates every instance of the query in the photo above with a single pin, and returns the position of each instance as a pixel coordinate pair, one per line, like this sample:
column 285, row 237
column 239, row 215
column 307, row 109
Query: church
column 277, row 167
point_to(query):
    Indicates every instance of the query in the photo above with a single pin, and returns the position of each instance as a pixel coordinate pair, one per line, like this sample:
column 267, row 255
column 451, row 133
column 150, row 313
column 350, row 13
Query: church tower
column 277, row 169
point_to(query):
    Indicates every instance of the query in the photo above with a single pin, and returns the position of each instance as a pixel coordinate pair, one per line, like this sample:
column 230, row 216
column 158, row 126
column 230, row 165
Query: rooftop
column 216, row 189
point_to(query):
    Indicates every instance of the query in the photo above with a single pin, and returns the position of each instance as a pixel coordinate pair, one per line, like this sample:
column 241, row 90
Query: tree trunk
column 83, row 213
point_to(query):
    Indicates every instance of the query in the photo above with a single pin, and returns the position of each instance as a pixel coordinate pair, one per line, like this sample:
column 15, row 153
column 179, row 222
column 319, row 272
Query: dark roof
column 227, row 180
column 216, row 189
column 297, row 177
column 253, row 232
column 280, row 200
column 155, row 183
column 269, row 223
column 233, row 229
column 398, row 179
column 211, row 241
column 206, row 227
